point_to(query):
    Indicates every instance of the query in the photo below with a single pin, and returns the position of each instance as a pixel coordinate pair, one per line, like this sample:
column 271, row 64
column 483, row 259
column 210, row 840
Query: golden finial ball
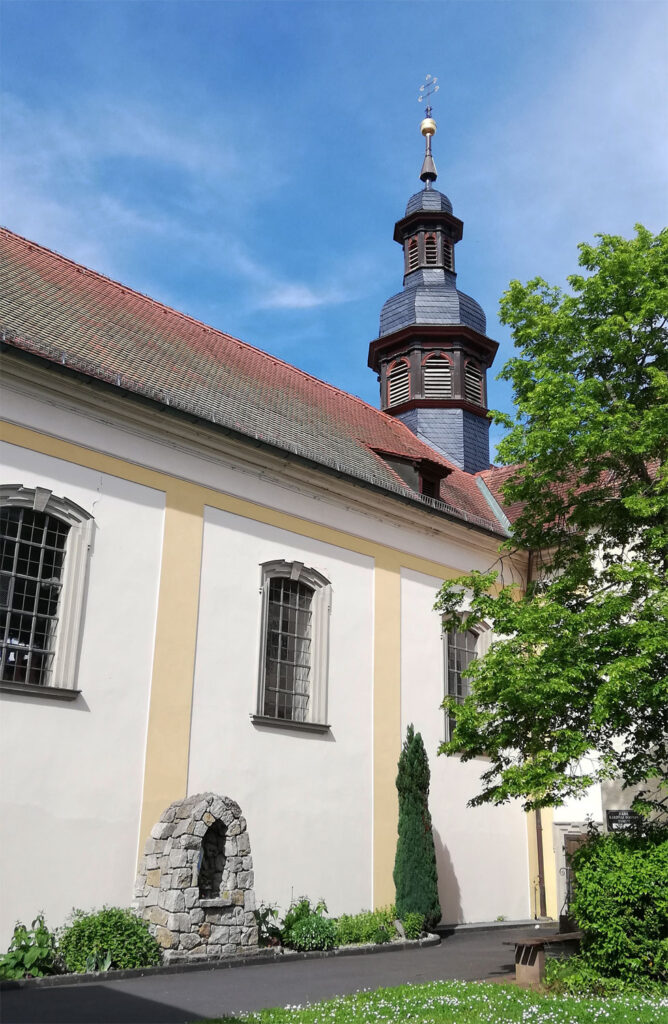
column 428, row 126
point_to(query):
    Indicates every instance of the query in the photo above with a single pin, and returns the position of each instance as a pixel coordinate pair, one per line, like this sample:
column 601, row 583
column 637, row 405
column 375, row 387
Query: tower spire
column 428, row 128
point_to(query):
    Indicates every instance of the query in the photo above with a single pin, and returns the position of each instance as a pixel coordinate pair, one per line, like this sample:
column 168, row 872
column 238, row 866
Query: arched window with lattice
column 44, row 551
column 437, row 376
column 295, row 643
column 398, row 383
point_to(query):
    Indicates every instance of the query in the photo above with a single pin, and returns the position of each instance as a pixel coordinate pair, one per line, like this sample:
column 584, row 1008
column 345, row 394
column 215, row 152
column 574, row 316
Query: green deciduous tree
column 415, row 874
column 581, row 663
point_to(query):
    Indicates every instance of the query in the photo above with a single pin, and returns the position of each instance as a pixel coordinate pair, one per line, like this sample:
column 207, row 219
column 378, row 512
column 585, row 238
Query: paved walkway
column 198, row 995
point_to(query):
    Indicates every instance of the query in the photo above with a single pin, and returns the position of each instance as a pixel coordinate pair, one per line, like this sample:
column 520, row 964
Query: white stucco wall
column 307, row 797
column 71, row 773
column 482, row 853
column 582, row 808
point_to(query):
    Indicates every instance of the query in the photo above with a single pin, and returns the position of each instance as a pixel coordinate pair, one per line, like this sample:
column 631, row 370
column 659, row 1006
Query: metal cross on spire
column 428, row 128
column 427, row 90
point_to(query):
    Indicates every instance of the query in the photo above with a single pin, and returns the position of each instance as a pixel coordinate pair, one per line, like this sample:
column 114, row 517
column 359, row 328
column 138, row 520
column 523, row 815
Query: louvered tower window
column 430, row 249
column 448, row 256
column 437, row 377
column 398, row 384
column 413, row 257
column 473, row 384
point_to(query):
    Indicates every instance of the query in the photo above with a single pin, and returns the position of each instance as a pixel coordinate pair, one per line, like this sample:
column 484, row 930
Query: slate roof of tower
column 426, row 302
column 428, row 199
column 66, row 314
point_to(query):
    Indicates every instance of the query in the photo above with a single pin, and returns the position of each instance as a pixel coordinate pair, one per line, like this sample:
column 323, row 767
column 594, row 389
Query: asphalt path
column 199, row 995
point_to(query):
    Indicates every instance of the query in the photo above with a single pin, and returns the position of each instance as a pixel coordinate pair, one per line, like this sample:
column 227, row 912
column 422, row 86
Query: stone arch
column 195, row 881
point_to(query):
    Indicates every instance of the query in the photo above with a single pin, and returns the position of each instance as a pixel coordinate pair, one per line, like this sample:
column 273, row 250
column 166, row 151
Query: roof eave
column 433, row 505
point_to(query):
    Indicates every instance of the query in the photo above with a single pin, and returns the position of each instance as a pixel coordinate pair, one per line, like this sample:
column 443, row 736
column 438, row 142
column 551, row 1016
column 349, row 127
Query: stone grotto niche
column 212, row 862
column 195, row 882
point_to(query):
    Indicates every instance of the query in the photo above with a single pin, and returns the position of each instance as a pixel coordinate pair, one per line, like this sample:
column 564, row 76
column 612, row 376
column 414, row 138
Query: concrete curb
column 489, row 926
column 268, row 956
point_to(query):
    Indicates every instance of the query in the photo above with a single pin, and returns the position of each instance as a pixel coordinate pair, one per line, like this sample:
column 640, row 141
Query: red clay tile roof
column 495, row 478
column 65, row 313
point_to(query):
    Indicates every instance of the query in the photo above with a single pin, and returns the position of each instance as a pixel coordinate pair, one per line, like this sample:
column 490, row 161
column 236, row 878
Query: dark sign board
column 618, row 820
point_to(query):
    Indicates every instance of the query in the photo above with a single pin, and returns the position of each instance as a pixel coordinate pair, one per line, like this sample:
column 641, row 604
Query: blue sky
column 245, row 162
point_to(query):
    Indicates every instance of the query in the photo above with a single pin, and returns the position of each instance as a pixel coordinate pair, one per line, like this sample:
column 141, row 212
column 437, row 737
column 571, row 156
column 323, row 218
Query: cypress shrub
column 415, row 876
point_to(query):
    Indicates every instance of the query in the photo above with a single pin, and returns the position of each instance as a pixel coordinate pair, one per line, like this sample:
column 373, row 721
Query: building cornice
column 176, row 430
column 387, row 344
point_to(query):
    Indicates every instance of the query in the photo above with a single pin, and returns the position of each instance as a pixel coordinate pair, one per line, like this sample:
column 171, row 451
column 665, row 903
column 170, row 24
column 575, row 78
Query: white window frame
column 483, row 634
column 70, row 605
column 321, row 610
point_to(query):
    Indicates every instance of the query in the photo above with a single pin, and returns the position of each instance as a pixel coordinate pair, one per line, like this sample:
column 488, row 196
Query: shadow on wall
column 448, row 887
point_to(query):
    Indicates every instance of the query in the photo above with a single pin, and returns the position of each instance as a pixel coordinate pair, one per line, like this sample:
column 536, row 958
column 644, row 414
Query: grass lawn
column 460, row 1002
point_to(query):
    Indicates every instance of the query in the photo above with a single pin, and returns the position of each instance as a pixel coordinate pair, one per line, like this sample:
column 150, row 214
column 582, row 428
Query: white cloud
column 66, row 183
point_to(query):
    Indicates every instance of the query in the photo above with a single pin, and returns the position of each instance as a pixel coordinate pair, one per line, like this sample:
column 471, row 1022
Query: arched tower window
column 437, row 376
column 413, row 256
column 398, row 383
column 448, row 255
column 473, row 383
column 430, row 250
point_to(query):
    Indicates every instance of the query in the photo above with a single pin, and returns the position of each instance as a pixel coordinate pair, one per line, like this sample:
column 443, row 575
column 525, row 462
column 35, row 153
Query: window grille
column 413, row 256
column 437, row 376
column 460, row 650
column 31, row 571
column 448, row 256
column 398, row 383
column 294, row 650
column 473, row 384
column 288, row 650
column 430, row 249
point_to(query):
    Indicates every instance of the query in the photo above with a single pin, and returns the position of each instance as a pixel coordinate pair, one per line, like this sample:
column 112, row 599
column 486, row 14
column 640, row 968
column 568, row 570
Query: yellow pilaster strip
column 168, row 739
column 386, row 725
column 550, row 864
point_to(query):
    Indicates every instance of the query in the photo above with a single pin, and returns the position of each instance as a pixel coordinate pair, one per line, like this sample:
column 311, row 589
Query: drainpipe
column 541, row 866
column 539, row 824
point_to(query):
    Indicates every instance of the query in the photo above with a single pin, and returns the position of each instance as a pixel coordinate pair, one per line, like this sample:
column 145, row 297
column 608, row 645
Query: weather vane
column 427, row 90
column 428, row 128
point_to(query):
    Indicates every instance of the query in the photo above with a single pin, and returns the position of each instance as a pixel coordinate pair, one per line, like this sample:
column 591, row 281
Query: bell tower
column 432, row 353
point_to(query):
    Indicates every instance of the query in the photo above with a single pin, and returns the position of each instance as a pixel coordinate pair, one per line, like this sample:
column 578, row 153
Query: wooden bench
column 530, row 954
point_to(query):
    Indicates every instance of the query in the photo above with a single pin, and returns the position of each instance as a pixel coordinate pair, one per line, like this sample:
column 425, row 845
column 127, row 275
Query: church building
column 218, row 575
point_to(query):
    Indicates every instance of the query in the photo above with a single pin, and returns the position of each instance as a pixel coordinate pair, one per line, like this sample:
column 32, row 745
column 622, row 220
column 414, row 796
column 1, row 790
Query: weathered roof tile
column 64, row 313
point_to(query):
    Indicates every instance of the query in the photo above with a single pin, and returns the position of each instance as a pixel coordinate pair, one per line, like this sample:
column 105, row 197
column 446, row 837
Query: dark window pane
column 32, row 545
column 287, row 649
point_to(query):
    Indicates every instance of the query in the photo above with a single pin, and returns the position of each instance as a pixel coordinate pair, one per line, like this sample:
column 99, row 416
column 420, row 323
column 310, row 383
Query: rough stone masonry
column 195, row 883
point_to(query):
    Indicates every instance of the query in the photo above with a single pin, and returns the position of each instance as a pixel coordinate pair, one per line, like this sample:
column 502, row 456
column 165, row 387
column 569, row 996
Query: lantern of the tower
column 432, row 353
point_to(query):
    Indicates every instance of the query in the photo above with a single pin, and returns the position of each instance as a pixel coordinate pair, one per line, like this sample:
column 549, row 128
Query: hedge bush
column 313, row 932
column 413, row 925
column 305, row 927
column 111, row 938
column 621, row 904
column 367, row 926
